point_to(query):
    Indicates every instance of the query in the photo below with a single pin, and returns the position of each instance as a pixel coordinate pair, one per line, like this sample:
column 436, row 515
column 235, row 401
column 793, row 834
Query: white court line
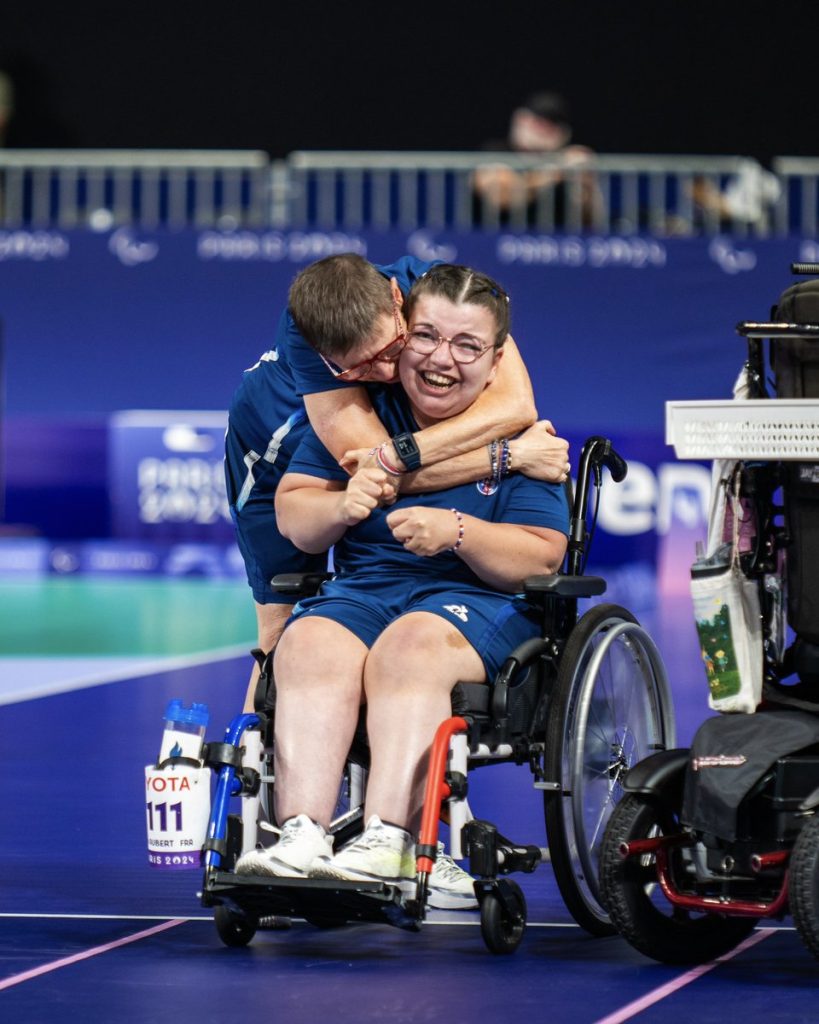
column 472, row 921
column 67, row 961
column 105, row 917
column 48, row 688
column 650, row 998
column 209, row 917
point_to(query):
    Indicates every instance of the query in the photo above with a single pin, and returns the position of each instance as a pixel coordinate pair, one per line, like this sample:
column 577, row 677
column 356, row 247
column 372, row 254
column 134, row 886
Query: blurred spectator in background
column 553, row 192
column 6, row 105
column 29, row 111
column 746, row 200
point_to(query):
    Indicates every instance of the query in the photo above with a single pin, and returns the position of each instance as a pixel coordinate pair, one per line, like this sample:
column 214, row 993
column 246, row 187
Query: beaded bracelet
column 505, row 460
column 493, row 460
column 500, row 461
column 460, row 539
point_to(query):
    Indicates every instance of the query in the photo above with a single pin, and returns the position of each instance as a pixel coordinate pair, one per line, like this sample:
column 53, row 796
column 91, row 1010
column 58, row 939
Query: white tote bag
column 728, row 615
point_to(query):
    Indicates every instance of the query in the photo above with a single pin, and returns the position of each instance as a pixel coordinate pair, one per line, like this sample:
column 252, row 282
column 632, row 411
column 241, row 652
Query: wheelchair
column 707, row 842
column 578, row 705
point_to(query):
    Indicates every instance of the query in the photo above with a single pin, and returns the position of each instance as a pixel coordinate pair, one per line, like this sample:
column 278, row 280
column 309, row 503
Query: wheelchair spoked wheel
column 642, row 914
column 611, row 708
column 503, row 918
column 234, row 927
column 804, row 884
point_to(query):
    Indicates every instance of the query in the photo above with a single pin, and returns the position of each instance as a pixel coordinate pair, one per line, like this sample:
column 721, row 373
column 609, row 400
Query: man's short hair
column 337, row 301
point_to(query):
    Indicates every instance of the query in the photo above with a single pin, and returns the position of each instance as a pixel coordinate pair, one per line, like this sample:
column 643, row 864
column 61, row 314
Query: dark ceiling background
column 644, row 77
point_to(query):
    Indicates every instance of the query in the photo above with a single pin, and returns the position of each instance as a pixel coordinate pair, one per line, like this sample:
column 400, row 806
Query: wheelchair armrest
column 301, row 584
column 564, row 586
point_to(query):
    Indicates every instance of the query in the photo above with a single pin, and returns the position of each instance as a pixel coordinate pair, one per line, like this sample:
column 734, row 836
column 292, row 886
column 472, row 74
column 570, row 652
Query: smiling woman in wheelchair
column 424, row 596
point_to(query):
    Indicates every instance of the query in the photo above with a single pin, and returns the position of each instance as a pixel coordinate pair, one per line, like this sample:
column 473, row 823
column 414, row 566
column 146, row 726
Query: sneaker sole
column 446, row 901
column 273, row 869
column 334, row 874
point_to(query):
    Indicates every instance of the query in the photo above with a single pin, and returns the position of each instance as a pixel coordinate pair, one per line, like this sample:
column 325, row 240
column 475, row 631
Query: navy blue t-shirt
column 267, row 414
column 369, row 546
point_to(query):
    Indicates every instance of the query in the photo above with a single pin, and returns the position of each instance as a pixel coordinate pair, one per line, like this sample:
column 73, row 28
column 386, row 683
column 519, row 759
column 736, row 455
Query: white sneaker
column 382, row 853
column 300, row 843
column 450, row 887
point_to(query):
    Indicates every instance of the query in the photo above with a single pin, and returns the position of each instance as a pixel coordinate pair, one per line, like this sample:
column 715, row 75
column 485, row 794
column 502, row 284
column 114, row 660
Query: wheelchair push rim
column 613, row 708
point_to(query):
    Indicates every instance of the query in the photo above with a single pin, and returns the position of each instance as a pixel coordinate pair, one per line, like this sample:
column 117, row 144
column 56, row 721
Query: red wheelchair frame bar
column 731, row 906
column 437, row 790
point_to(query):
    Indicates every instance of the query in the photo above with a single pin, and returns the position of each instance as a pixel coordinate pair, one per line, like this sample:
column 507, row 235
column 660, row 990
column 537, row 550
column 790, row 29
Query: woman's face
column 437, row 385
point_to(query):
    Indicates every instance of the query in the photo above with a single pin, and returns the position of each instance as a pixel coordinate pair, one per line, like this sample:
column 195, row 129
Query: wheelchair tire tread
column 673, row 937
column 593, row 920
column 804, row 885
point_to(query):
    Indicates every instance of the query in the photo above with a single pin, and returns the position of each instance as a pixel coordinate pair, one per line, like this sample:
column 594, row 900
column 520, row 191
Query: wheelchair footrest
column 324, row 902
column 518, row 858
column 492, row 854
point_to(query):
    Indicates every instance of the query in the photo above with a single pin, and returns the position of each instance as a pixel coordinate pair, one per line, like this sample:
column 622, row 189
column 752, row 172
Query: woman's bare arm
column 501, row 554
column 314, row 513
column 344, row 419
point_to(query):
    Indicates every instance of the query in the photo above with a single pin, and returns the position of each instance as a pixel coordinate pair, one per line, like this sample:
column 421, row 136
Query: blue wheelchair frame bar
column 227, row 785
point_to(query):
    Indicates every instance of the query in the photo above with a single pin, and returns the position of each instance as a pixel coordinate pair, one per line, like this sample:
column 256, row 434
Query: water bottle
column 177, row 790
column 184, row 732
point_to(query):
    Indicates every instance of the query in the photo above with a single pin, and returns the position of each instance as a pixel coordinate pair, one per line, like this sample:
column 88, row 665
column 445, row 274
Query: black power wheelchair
column 579, row 706
column 706, row 842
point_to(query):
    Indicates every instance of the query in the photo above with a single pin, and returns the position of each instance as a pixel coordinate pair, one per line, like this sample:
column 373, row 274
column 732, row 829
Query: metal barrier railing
column 612, row 193
column 606, row 194
column 799, row 178
column 103, row 188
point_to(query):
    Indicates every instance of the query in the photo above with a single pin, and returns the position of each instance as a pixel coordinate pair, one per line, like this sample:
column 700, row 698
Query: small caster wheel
column 234, row 927
column 503, row 917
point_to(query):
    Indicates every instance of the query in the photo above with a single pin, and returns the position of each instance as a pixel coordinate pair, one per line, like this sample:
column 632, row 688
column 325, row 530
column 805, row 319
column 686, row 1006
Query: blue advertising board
column 610, row 327
column 97, row 324
column 166, row 478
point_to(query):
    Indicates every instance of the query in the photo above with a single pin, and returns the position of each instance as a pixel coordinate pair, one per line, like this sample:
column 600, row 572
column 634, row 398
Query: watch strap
column 406, row 448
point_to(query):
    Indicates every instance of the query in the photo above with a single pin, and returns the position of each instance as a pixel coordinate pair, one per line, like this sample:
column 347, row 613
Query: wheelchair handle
column 770, row 329
column 597, row 451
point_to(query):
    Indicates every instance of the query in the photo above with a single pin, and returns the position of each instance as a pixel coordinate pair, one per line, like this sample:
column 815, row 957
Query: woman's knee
column 420, row 649
column 316, row 652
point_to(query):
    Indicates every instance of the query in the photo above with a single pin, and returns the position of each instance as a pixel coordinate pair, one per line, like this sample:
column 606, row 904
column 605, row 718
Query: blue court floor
column 90, row 932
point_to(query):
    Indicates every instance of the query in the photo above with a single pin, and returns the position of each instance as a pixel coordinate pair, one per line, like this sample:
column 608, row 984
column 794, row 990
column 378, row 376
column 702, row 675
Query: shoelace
column 447, row 868
column 370, row 839
column 284, row 835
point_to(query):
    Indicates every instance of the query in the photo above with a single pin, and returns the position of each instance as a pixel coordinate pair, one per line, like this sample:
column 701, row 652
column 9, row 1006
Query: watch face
column 407, row 449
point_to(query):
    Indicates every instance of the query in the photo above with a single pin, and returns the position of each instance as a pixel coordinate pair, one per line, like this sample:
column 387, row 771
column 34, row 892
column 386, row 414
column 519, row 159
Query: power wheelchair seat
column 707, row 841
column 579, row 706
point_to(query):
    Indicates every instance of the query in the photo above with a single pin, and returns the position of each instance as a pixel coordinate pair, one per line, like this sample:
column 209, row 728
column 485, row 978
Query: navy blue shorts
column 493, row 623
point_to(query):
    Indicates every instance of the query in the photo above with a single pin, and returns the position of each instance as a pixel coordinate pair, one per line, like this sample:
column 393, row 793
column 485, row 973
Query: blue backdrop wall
column 610, row 327
column 122, row 350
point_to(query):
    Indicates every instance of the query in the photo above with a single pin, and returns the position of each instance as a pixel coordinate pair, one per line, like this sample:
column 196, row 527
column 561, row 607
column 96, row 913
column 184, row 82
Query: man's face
column 376, row 358
column 532, row 134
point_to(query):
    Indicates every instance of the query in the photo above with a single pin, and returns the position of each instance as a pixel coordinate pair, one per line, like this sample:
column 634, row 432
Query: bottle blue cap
column 196, row 714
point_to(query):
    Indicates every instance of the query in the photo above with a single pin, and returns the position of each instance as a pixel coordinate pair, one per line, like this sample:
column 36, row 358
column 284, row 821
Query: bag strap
column 736, row 511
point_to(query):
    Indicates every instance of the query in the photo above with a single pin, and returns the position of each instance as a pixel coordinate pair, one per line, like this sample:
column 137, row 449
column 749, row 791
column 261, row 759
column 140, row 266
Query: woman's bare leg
column 318, row 669
column 408, row 679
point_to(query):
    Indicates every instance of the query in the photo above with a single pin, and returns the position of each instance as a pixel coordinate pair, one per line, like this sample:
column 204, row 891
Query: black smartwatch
column 407, row 451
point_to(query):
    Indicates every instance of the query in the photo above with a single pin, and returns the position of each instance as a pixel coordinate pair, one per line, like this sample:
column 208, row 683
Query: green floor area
column 79, row 616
